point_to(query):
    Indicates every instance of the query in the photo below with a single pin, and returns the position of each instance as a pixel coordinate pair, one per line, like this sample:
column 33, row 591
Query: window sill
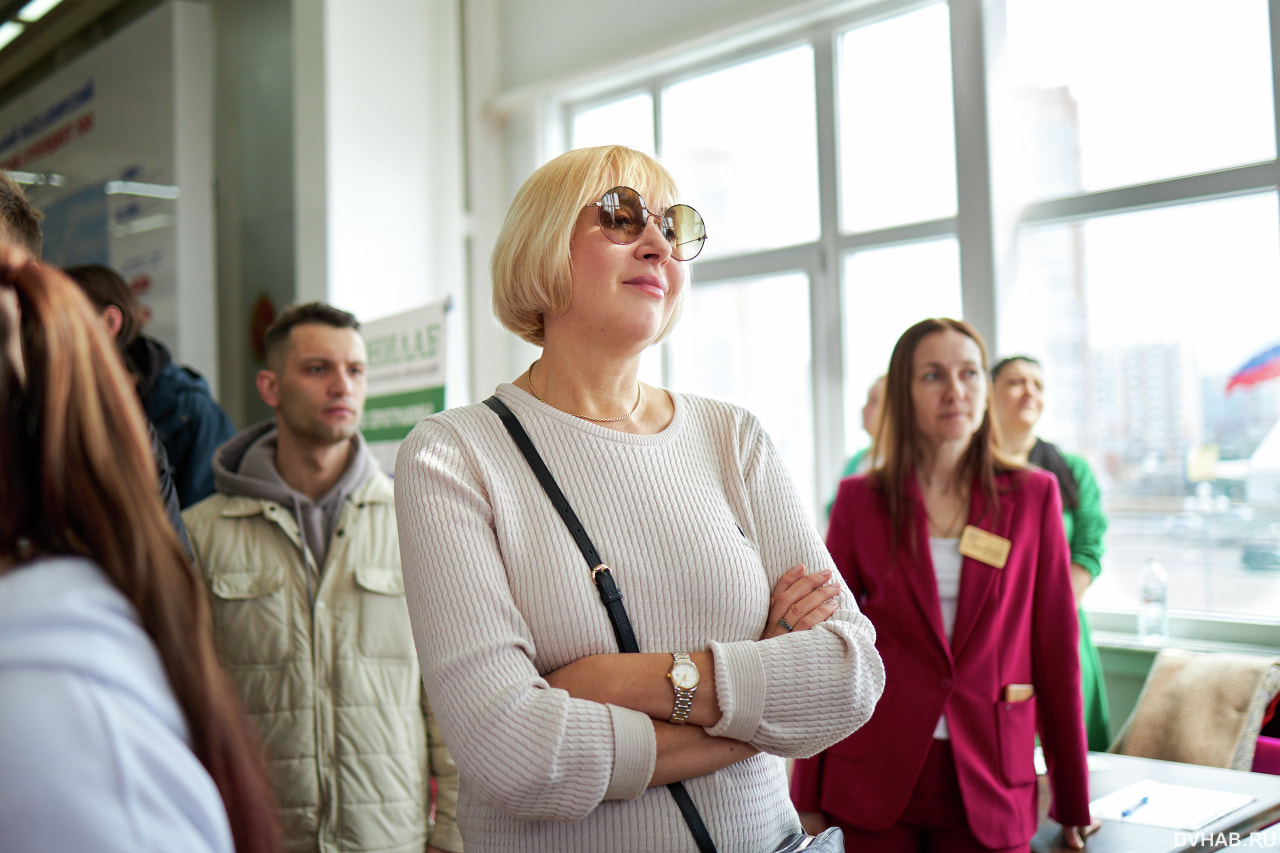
column 1117, row 630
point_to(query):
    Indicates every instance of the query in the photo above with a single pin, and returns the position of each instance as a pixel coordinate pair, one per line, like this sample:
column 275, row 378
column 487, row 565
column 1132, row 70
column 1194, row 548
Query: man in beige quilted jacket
column 299, row 549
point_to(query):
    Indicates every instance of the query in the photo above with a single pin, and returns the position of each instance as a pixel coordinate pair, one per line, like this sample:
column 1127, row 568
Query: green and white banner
column 406, row 376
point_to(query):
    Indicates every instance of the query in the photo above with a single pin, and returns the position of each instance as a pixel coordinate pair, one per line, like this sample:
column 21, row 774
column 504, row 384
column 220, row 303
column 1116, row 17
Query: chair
column 1266, row 758
column 1201, row 708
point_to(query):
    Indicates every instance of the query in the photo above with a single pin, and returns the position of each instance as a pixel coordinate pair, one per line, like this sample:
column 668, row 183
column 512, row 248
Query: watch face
column 684, row 675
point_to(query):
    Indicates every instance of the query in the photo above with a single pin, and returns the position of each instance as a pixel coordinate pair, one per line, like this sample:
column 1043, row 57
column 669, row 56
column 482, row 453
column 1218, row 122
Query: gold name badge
column 985, row 547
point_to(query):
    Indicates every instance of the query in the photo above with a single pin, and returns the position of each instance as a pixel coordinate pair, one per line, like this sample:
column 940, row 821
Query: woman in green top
column 1017, row 400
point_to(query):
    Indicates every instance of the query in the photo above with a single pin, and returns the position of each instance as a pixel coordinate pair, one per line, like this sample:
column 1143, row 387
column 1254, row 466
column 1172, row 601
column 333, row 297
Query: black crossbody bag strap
column 610, row 596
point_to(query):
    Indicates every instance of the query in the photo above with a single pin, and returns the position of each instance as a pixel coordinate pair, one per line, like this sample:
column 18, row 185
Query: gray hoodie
column 246, row 466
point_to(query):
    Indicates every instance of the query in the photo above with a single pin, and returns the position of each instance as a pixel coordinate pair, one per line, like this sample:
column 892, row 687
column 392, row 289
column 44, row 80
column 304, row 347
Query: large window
column 1123, row 227
column 1148, row 270
column 742, row 141
column 897, row 143
column 1122, row 93
column 623, row 121
column 885, row 291
column 1140, row 319
column 748, row 341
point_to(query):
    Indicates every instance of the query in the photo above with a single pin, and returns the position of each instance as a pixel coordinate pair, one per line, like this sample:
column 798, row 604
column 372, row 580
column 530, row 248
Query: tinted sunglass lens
column 622, row 215
column 684, row 227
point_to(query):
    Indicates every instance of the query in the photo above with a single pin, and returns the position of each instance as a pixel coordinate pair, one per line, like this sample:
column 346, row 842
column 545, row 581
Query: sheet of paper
column 1172, row 806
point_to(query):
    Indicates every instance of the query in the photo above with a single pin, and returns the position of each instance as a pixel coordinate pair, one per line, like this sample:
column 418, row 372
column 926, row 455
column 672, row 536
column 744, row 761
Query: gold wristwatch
column 684, row 678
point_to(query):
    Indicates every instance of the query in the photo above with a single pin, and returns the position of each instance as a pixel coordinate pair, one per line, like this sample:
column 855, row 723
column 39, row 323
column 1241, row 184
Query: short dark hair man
column 176, row 398
column 299, row 549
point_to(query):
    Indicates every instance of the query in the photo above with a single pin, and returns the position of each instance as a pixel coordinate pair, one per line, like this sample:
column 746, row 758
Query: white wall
column 379, row 157
column 394, row 113
column 378, row 153
column 339, row 163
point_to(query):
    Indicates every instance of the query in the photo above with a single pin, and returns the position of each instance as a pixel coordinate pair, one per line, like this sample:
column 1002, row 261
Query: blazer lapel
column 922, row 580
column 977, row 579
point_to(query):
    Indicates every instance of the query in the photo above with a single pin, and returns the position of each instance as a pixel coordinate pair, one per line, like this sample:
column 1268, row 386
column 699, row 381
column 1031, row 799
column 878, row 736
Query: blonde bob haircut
column 532, row 264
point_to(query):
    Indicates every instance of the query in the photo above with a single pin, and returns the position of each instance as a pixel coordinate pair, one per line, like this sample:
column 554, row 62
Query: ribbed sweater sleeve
column 697, row 522
column 527, row 749
column 762, row 687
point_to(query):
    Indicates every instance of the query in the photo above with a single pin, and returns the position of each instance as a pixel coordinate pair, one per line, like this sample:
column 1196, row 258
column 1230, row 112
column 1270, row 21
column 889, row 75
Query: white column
column 378, row 154
column 194, row 257
column 983, row 229
column 503, row 150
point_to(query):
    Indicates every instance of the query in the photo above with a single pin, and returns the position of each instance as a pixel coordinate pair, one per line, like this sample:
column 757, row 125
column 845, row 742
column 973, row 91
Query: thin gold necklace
column 948, row 532
column 634, row 409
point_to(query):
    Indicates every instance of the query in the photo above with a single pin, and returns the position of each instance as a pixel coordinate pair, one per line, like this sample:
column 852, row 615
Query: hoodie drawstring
column 306, row 557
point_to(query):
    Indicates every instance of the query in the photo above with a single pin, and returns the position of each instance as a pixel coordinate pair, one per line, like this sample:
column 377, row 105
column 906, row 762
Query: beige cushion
column 1201, row 708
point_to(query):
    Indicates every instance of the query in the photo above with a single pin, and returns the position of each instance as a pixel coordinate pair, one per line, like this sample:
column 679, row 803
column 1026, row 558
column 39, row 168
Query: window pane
column 897, row 129
column 627, row 121
column 1113, row 94
column 726, row 346
column 1140, row 319
column 742, row 142
column 885, row 292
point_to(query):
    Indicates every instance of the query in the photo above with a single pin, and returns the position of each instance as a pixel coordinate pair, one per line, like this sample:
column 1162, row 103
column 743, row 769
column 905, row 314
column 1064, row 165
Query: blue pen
column 1133, row 808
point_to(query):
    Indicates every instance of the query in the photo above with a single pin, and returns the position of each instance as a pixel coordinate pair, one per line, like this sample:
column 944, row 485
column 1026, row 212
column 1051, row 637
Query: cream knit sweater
column 697, row 522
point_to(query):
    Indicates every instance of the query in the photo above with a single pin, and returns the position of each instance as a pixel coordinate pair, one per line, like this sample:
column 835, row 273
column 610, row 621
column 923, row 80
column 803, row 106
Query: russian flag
column 1263, row 366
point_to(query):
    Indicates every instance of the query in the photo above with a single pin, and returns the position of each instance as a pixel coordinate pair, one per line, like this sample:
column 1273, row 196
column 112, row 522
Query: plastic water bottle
column 1153, row 603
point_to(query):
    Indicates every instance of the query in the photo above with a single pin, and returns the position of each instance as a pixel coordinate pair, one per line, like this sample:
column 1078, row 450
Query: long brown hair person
column 79, row 482
column 957, row 556
column 903, row 443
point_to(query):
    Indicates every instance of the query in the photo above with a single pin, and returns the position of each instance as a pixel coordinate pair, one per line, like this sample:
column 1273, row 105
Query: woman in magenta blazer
column 958, row 557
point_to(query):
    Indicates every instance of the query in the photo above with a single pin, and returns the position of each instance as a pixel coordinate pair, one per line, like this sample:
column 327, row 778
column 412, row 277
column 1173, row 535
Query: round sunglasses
column 624, row 216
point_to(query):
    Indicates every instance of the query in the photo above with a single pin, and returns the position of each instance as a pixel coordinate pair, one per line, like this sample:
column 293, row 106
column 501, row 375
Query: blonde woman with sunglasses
column 751, row 649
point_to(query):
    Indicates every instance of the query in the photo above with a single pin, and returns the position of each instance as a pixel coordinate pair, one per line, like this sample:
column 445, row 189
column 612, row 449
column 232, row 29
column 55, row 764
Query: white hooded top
column 94, row 751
